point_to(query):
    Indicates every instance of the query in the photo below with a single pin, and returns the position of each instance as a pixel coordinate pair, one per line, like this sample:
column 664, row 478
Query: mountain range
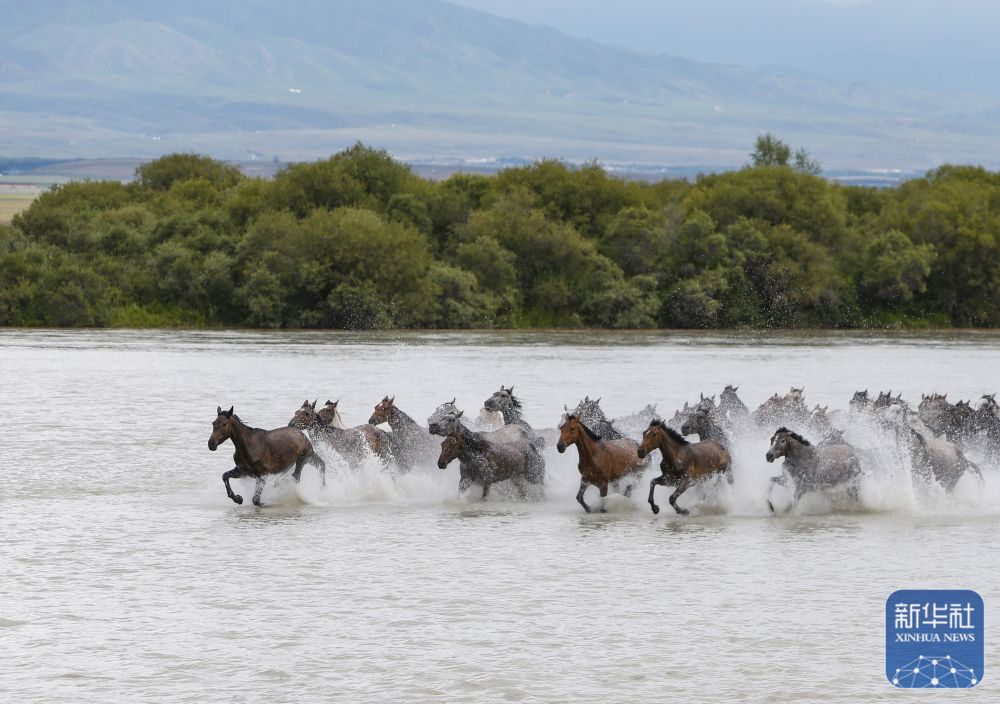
column 428, row 79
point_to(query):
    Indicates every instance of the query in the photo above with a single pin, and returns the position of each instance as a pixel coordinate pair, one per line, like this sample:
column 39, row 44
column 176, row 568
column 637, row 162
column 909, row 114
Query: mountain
column 425, row 79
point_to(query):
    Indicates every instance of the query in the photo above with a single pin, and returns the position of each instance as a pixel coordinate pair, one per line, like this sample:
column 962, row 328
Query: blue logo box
column 934, row 638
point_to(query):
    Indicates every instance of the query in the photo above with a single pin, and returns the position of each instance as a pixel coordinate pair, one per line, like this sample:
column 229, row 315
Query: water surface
column 129, row 576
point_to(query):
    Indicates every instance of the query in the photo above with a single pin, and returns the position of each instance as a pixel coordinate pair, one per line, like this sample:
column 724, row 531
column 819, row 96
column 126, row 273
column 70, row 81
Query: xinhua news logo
column 934, row 638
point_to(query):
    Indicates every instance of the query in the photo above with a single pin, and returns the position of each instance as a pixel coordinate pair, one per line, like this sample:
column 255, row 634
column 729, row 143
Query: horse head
column 502, row 400
column 328, row 414
column 383, row 411
column 782, row 442
column 222, row 428
column 450, row 447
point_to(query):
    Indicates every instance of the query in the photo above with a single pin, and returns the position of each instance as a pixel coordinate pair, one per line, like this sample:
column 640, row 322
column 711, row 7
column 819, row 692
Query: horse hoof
column 258, row 504
column 656, row 509
column 682, row 511
column 238, row 499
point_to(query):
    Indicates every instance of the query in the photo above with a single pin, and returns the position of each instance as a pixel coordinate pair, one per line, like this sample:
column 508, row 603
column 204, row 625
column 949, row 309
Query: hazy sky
column 940, row 44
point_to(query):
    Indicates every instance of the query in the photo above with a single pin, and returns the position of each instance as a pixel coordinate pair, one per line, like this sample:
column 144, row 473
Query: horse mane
column 792, row 434
column 674, row 435
column 514, row 401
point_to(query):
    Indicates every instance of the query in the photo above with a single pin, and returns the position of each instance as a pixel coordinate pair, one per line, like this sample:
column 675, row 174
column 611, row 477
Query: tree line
column 358, row 241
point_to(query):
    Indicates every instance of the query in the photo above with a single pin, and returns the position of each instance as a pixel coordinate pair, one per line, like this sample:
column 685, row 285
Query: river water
column 127, row 575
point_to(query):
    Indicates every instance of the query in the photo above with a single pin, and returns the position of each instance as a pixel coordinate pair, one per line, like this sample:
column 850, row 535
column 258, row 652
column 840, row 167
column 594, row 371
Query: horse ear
column 392, row 400
column 459, row 414
column 230, row 411
column 586, row 399
column 453, row 400
column 314, row 404
column 511, row 390
column 598, row 400
column 566, row 408
column 218, row 410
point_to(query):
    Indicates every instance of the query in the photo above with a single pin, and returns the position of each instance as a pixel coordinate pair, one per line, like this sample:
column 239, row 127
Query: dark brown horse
column 411, row 441
column 261, row 452
column 684, row 463
column 601, row 462
column 353, row 444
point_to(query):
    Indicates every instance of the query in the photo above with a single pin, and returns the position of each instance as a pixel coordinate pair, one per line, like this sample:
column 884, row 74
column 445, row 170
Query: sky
column 934, row 44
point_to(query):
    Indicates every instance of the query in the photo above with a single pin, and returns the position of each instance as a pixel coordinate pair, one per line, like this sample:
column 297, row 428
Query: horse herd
column 499, row 445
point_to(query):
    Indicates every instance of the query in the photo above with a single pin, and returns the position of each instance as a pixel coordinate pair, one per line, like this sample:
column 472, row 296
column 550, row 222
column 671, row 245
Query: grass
column 13, row 203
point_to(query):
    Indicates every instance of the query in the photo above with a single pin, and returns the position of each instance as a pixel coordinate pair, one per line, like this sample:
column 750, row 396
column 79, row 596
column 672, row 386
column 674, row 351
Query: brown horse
column 601, row 462
column 353, row 444
column 684, row 463
column 261, row 452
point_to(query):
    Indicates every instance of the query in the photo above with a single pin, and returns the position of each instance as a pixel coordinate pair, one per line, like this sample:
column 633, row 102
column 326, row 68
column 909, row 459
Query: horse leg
column 604, row 496
column 682, row 486
column 780, row 481
column 522, row 490
column 258, row 490
column 463, row 485
column 579, row 495
column 234, row 473
column 316, row 460
column 653, row 483
column 486, row 490
column 299, row 464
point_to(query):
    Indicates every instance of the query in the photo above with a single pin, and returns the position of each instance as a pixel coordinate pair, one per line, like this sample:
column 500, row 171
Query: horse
column 683, row 463
column 261, row 452
column 446, row 424
column 601, row 462
column 592, row 415
column 411, row 441
column 731, row 406
column 633, row 424
column 487, row 420
column 706, row 426
column 939, row 460
column 353, row 444
column 812, row 468
column 790, row 408
column 485, row 462
column 509, row 405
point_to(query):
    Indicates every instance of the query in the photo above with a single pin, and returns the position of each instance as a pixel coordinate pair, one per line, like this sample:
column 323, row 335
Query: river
column 128, row 575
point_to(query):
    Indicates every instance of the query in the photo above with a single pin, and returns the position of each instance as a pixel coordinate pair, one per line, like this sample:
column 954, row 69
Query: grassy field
column 13, row 201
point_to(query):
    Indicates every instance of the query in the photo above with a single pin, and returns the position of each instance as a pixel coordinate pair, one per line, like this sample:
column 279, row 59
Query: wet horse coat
column 261, row 452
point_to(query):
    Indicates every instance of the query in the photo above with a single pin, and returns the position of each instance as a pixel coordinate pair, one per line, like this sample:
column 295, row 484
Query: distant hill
column 424, row 78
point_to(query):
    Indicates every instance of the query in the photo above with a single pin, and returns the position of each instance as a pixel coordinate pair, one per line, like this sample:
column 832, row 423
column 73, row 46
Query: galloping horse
column 704, row 424
column 509, row 405
column 683, row 463
column 601, row 462
column 939, row 460
column 591, row 414
column 485, row 462
column 353, row 444
column 411, row 441
column 261, row 452
column 812, row 468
